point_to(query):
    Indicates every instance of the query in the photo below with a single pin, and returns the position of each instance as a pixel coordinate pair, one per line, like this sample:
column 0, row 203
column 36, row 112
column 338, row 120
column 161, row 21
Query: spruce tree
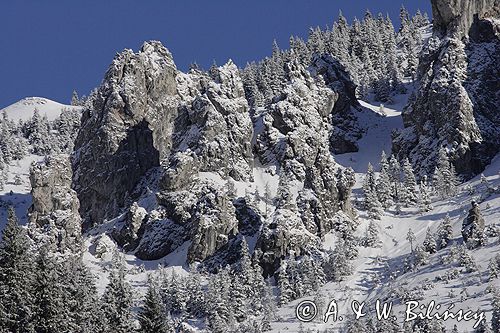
column 16, row 278
column 395, row 178
column 371, row 238
column 495, row 316
column 425, row 201
column 445, row 178
column 444, row 232
column 117, row 299
column 429, row 242
column 409, row 195
column 372, row 205
column 81, row 295
column 384, row 183
column 493, row 268
column 473, row 228
column 52, row 306
column 285, row 287
column 152, row 315
column 410, row 237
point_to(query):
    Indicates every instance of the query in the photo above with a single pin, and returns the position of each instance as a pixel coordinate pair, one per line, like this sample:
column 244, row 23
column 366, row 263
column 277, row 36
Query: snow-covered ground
column 377, row 271
column 23, row 109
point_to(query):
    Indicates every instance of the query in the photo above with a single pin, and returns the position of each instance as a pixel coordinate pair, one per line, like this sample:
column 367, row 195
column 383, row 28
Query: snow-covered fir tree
column 395, row 178
column 371, row 238
column 495, row 317
column 429, row 243
column 372, row 205
column 473, row 228
column 152, row 316
column 424, row 200
column 411, row 238
column 17, row 311
column 444, row 232
column 117, row 299
column 444, row 179
column 408, row 188
column 384, row 187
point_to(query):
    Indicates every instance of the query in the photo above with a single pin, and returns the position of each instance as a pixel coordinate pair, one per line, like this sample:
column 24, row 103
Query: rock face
column 473, row 227
column 456, row 104
column 54, row 211
column 126, row 132
column 198, row 130
column 457, row 16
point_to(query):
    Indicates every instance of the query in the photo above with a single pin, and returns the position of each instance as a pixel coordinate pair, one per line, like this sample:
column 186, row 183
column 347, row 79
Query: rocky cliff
column 456, row 103
column 160, row 152
column 54, row 213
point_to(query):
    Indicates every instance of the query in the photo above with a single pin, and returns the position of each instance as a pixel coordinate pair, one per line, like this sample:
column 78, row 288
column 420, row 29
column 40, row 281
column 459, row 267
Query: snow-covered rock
column 147, row 114
column 54, row 212
column 457, row 103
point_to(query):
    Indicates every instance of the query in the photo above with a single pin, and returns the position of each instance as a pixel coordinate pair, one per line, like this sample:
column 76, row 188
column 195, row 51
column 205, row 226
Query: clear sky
column 50, row 47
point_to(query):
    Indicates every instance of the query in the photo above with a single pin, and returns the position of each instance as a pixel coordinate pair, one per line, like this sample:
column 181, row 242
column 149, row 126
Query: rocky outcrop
column 127, row 130
column 456, row 104
column 129, row 233
column 197, row 129
column 455, row 17
column 202, row 213
column 54, row 212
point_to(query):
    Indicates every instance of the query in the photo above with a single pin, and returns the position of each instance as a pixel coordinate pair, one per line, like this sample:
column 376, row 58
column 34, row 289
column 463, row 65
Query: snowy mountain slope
column 23, row 109
column 378, row 272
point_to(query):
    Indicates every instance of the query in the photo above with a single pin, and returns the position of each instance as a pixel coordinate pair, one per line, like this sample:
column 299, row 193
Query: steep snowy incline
column 23, row 109
column 379, row 122
column 378, row 272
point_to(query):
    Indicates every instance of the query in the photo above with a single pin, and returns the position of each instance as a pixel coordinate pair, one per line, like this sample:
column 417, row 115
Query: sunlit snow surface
column 373, row 264
column 23, row 109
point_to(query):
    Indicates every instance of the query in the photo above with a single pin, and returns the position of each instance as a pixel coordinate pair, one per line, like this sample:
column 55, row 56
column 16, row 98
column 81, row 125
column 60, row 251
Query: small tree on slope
column 444, row 232
column 372, row 205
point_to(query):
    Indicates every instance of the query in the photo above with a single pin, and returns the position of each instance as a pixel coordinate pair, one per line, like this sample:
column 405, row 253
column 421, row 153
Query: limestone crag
column 127, row 130
column 456, row 104
column 198, row 131
column 54, row 211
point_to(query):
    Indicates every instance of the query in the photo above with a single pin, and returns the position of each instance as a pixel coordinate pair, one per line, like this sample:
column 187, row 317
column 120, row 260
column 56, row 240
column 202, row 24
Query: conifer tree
column 495, row 316
column 409, row 184
column 117, row 299
column 81, row 295
column 410, row 237
column 384, row 183
column 493, row 268
column 395, row 177
column 425, row 201
column 152, row 315
column 16, row 278
column 371, row 238
column 444, row 232
column 445, row 178
column 372, row 205
column 429, row 242
column 473, row 228
column 285, row 288
column 52, row 308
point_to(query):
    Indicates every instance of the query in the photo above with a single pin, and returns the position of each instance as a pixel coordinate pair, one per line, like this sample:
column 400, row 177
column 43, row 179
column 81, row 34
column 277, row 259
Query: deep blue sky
column 50, row 47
